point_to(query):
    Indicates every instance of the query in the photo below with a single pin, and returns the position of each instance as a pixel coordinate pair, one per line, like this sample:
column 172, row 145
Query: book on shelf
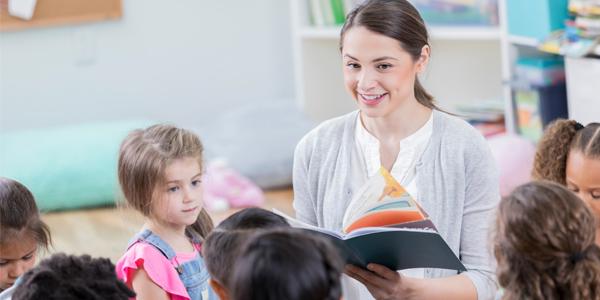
column 386, row 226
column 328, row 12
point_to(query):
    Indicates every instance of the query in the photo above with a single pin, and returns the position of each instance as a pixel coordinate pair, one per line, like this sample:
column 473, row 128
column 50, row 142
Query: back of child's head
column 287, row 264
column 19, row 215
column 253, row 218
column 67, row 277
column 545, row 246
column 560, row 138
column 222, row 246
column 143, row 158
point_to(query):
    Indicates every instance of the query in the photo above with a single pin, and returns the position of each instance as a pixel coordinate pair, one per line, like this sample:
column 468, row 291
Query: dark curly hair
column 544, row 244
column 287, row 264
column 19, row 215
column 561, row 137
column 68, row 277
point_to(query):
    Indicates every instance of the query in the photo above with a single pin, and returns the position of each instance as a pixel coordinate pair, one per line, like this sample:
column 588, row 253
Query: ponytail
column 584, row 277
column 423, row 96
column 553, row 149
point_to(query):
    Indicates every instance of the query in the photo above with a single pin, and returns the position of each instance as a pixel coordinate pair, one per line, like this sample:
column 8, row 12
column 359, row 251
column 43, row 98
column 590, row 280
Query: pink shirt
column 160, row 270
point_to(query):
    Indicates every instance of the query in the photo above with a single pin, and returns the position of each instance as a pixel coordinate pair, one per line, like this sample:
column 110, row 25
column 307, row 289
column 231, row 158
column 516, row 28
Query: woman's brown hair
column 399, row 20
column 560, row 138
column 19, row 215
column 143, row 158
column 544, row 244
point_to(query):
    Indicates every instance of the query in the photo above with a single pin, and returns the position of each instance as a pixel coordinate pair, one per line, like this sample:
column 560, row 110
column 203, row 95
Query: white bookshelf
column 466, row 65
column 437, row 32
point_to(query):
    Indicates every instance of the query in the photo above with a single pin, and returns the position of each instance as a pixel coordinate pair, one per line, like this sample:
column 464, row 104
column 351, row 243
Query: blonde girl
column 160, row 171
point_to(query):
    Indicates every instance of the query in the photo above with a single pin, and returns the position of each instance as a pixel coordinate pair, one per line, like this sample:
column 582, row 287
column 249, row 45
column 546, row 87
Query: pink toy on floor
column 225, row 188
column 514, row 157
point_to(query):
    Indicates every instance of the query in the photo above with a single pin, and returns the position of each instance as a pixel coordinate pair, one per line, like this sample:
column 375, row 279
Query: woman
column 441, row 160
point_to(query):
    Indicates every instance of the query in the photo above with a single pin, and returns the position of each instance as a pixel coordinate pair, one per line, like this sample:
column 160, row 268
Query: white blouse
column 403, row 170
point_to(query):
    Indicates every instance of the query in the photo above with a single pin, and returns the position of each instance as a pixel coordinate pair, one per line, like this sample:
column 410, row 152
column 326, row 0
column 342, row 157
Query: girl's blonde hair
column 143, row 157
column 560, row 138
column 545, row 245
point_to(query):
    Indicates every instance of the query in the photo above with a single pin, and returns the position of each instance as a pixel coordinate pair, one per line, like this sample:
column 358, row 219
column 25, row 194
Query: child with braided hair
column 287, row 264
column 544, row 245
column 569, row 154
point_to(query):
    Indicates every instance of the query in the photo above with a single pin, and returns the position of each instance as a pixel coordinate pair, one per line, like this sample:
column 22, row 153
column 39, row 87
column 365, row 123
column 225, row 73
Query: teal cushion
column 67, row 167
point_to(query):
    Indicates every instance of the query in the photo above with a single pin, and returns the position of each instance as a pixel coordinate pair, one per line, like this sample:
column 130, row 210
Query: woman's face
column 583, row 178
column 378, row 73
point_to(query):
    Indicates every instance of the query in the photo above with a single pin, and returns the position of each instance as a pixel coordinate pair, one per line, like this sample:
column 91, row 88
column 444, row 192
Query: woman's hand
column 383, row 283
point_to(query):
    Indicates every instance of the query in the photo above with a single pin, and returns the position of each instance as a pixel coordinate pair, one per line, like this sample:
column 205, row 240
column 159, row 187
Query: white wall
column 182, row 61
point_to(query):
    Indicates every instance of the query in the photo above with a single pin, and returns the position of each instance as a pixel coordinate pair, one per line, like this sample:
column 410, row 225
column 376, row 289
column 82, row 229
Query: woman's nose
column 366, row 81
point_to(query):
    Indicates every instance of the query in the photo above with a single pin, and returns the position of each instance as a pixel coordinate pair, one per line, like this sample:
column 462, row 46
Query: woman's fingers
column 383, row 272
column 367, row 278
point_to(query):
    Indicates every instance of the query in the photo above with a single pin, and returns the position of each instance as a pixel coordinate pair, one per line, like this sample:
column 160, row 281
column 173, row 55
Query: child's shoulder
column 143, row 255
column 161, row 271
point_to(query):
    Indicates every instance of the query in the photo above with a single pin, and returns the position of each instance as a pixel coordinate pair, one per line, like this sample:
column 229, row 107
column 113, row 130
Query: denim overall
column 193, row 273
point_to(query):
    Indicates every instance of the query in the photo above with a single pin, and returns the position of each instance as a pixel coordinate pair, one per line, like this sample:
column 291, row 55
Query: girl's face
column 179, row 202
column 16, row 258
column 378, row 73
column 583, row 178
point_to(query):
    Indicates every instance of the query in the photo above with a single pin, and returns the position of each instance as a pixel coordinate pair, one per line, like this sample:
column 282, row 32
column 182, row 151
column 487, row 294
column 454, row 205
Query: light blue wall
column 181, row 61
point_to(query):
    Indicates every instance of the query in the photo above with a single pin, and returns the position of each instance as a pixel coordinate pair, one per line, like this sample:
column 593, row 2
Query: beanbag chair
column 514, row 158
column 66, row 167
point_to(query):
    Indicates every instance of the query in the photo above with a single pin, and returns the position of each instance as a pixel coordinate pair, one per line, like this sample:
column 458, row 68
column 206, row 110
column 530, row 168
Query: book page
column 299, row 224
column 381, row 201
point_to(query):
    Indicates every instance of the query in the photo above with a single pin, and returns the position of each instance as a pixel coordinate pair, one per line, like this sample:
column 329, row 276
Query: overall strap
column 149, row 237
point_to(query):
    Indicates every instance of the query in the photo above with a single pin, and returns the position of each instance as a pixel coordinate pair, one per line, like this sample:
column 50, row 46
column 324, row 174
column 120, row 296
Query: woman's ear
column 423, row 59
column 219, row 289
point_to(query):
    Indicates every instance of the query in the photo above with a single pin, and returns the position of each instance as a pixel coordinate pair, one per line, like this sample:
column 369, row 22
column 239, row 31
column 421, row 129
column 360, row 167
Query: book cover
column 399, row 247
column 386, row 226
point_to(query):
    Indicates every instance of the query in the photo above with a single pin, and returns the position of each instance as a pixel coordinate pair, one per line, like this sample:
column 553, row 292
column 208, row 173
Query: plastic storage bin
column 540, row 71
column 537, row 106
column 458, row 12
column 536, row 18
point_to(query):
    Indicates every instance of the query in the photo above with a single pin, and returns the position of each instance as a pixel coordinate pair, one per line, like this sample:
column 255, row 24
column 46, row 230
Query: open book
column 386, row 226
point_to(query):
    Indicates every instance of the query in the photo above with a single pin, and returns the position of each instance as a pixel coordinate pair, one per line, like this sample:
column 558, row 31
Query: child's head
column 544, row 245
column 22, row 232
column 287, row 264
column 253, row 218
column 221, row 247
column 569, row 154
column 67, row 277
column 160, row 171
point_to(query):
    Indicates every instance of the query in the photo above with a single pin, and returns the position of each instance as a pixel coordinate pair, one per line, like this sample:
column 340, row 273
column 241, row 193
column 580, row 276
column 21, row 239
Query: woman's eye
column 596, row 195
column 173, row 189
column 27, row 257
column 196, row 182
column 384, row 66
column 352, row 65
